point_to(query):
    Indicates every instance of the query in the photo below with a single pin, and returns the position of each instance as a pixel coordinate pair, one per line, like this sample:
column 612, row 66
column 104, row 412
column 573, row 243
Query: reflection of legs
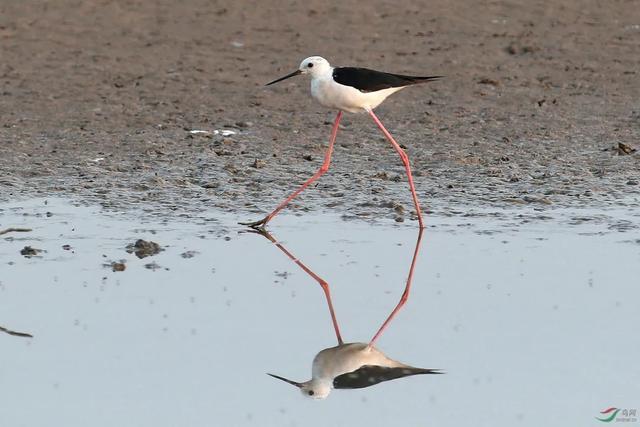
column 405, row 294
column 321, row 171
column 323, row 284
column 405, row 161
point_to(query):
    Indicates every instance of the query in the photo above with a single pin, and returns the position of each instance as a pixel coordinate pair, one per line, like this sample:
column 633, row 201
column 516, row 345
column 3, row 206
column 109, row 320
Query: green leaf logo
column 608, row 418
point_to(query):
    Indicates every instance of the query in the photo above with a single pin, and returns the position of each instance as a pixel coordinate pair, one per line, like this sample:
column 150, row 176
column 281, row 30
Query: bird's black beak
column 282, row 378
column 295, row 73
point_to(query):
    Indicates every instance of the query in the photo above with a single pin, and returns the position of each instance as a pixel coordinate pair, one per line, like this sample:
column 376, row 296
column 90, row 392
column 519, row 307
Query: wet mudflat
column 101, row 101
column 532, row 315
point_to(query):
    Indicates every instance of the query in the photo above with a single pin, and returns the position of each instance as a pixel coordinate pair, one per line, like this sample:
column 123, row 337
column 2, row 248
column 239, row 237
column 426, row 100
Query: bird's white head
column 315, row 66
column 314, row 389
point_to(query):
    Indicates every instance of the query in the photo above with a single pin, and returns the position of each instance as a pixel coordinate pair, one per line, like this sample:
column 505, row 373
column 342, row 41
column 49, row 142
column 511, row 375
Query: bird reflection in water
column 352, row 365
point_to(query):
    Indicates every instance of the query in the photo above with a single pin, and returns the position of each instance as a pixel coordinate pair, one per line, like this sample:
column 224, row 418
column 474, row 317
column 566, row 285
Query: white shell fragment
column 223, row 132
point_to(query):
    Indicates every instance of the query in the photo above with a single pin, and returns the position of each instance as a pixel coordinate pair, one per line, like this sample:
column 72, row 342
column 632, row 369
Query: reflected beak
column 295, row 73
column 286, row 380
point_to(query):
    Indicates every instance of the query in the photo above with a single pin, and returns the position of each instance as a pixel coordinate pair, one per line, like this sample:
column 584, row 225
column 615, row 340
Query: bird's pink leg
column 405, row 161
column 323, row 284
column 321, row 171
column 325, row 288
column 405, row 294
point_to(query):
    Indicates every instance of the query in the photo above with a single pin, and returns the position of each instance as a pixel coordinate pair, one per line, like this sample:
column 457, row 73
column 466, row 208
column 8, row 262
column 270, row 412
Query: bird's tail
column 421, row 79
column 422, row 371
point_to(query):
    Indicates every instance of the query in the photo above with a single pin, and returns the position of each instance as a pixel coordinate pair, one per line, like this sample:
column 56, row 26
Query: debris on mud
column 152, row 266
column 203, row 133
column 117, row 266
column 519, row 49
column 210, row 184
column 258, row 164
column 189, row 254
column 624, row 149
column 488, row 81
column 536, row 199
column 18, row 230
column 29, row 252
column 143, row 248
column 14, row 333
column 282, row 274
column 621, row 149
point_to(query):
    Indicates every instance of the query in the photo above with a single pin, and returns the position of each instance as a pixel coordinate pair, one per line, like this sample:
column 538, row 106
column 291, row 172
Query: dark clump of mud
column 153, row 266
column 175, row 118
column 29, row 251
column 143, row 248
column 189, row 254
column 118, row 266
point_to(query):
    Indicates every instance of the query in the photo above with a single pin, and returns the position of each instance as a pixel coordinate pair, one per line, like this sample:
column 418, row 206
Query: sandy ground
column 97, row 100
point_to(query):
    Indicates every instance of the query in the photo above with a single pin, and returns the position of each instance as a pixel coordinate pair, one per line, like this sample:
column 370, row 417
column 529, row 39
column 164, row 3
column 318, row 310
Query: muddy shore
column 539, row 105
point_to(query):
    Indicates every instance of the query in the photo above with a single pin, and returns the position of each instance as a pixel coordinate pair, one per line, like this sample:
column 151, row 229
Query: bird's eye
column 310, row 392
column 310, row 65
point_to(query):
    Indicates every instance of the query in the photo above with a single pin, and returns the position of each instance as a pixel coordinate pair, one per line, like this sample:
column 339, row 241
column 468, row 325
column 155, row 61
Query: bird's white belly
column 334, row 95
column 344, row 358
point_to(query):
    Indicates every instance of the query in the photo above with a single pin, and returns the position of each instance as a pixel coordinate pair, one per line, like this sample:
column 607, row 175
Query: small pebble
column 258, row 164
column 118, row 266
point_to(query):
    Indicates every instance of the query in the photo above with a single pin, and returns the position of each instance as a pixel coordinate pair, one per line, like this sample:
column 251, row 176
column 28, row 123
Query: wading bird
column 354, row 90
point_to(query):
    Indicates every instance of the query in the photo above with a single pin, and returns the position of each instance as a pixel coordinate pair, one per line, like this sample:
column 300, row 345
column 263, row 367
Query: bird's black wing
column 369, row 375
column 366, row 80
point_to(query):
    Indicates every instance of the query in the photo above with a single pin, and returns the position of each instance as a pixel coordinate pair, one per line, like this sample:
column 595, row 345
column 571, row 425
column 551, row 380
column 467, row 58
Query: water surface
column 534, row 321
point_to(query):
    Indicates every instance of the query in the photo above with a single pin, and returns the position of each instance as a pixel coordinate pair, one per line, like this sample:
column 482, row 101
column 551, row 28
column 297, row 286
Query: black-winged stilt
column 353, row 90
column 351, row 365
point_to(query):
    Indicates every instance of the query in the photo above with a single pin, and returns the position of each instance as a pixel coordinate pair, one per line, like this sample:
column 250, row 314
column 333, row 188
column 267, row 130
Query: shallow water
column 533, row 319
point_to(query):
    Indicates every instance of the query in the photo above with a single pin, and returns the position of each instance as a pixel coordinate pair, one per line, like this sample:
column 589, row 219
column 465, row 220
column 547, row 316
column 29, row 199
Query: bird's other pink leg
column 324, row 168
column 405, row 294
column 405, row 161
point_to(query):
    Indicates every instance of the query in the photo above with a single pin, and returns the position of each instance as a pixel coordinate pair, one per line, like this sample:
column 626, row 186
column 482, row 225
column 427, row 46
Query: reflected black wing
column 369, row 375
column 366, row 80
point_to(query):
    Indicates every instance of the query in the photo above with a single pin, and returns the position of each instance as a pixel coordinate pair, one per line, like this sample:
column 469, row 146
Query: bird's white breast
column 334, row 361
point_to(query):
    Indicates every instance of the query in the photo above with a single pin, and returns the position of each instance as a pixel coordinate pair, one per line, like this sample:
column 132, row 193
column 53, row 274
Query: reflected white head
column 315, row 66
column 314, row 389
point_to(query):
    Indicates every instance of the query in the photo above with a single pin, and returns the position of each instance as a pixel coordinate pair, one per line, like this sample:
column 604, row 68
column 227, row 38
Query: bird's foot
column 257, row 225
